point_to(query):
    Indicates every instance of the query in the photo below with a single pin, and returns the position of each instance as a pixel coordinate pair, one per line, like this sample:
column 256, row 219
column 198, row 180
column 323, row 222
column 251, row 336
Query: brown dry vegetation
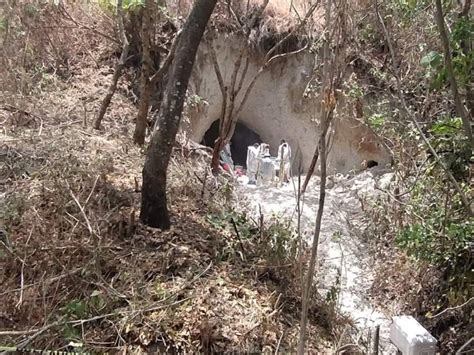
column 74, row 263
column 77, row 270
column 404, row 284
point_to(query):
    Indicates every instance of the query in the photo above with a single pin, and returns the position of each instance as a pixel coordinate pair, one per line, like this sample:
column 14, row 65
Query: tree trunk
column 450, row 71
column 146, row 69
column 409, row 114
column 326, row 107
column 118, row 68
column 154, row 209
column 218, row 146
column 315, row 158
column 307, row 287
column 466, row 47
column 314, row 161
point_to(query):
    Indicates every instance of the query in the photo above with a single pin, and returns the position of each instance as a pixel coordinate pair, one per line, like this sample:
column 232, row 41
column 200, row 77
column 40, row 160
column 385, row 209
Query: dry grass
column 75, row 265
column 279, row 18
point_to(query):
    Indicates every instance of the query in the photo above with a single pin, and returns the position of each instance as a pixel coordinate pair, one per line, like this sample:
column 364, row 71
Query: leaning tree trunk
column 315, row 158
column 154, row 209
column 466, row 47
column 461, row 111
column 118, row 68
column 146, row 69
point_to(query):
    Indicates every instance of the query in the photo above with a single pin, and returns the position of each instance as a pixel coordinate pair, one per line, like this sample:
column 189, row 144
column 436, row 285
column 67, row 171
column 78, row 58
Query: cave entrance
column 242, row 138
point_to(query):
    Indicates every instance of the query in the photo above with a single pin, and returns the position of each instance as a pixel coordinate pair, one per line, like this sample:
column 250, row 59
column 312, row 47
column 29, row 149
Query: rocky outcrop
column 276, row 108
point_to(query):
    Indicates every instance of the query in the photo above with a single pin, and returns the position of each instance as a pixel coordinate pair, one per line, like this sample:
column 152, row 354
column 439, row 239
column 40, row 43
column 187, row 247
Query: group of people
column 263, row 168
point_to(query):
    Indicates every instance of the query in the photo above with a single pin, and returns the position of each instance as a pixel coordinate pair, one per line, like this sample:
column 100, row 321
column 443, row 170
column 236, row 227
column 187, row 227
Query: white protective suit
column 266, row 171
column 252, row 162
column 284, row 158
column 263, row 150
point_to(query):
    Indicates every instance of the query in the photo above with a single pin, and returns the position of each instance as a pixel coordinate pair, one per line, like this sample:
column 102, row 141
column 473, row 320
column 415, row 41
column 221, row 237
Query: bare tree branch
column 453, row 308
column 118, row 68
column 146, row 69
column 413, row 119
column 461, row 111
column 291, row 33
column 217, row 69
column 308, row 282
column 86, row 27
column 169, row 58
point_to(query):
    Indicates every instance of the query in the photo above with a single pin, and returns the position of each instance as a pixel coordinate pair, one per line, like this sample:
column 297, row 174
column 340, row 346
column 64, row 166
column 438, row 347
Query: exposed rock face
column 276, row 108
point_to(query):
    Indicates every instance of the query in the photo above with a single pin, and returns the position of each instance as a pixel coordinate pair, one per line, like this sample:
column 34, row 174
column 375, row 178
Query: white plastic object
column 410, row 337
column 266, row 173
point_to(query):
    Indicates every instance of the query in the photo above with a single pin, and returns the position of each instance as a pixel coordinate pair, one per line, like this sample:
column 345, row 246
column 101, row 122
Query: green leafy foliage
column 433, row 62
column 276, row 241
column 80, row 309
column 463, row 31
column 281, row 240
column 376, row 120
column 71, row 333
column 432, row 59
column 3, row 24
column 195, row 101
column 128, row 5
column 75, row 309
column 449, row 141
column 439, row 232
column 437, row 240
column 435, row 70
column 409, row 8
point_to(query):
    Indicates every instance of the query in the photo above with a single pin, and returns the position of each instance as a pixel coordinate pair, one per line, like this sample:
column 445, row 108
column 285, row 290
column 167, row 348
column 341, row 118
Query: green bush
column 276, row 241
column 440, row 233
column 449, row 141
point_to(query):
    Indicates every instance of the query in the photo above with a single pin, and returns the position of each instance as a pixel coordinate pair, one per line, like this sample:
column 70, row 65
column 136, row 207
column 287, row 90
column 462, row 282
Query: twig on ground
column 375, row 350
column 92, row 190
column 22, row 276
column 452, row 308
column 203, row 190
column 38, row 332
column 57, row 278
column 238, row 236
column 22, row 282
column 279, row 342
column 91, row 231
column 348, row 346
column 461, row 349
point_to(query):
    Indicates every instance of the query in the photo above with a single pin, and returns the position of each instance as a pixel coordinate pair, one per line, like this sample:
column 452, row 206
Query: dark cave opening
column 371, row 164
column 243, row 137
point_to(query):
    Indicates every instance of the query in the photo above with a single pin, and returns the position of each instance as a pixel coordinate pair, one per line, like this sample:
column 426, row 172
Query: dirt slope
column 79, row 272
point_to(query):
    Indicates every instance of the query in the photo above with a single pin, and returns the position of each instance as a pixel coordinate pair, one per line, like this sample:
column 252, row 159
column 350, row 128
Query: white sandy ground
column 341, row 248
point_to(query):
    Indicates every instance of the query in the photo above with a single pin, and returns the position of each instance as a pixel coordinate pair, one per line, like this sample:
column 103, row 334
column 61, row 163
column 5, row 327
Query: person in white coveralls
column 284, row 158
column 252, row 162
column 265, row 169
column 263, row 150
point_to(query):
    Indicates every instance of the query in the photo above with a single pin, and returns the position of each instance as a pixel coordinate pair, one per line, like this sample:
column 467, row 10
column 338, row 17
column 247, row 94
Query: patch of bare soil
column 78, row 271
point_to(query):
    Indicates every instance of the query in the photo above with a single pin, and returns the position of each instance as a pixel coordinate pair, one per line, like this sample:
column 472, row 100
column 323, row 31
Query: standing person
column 252, row 163
column 284, row 156
column 266, row 169
column 263, row 150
